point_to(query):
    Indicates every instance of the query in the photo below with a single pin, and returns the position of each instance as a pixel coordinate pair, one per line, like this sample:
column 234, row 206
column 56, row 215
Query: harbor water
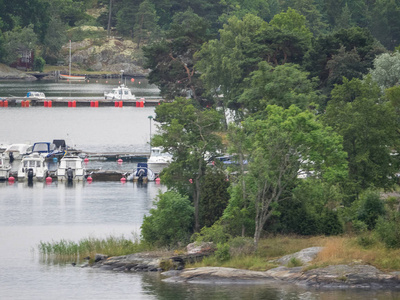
column 51, row 212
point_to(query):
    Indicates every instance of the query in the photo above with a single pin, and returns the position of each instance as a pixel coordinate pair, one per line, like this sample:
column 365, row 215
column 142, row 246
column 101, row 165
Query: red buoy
column 119, row 161
column 45, row 103
column 120, row 104
column 96, row 103
column 116, row 103
column 158, row 180
column 89, row 179
column 133, row 79
column 141, row 103
column 49, row 179
column 50, row 104
column 123, row 180
column 74, row 103
column 11, row 179
column 91, row 104
column 137, row 104
column 27, row 103
column 5, row 104
column 1, row 103
column 22, row 103
column 69, row 104
column 86, row 160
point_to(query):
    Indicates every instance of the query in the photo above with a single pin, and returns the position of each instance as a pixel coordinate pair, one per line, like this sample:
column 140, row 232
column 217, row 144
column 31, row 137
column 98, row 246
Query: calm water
column 93, row 88
column 30, row 214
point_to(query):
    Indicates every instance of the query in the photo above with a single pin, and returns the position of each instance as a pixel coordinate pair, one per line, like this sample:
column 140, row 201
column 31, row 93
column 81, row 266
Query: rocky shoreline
column 355, row 276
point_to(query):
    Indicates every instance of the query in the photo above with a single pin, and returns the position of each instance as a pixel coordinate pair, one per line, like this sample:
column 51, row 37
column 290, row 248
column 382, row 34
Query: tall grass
column 89, row 247
column 337, row 250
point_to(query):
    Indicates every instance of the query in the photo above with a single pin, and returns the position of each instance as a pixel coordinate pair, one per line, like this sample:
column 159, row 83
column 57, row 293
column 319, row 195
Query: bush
column 170, row 223
column 215, row 234
column 38, row 64
column 389, row 230
column 371, row 207
column 330, row 223
column 241, row 246
column 222, row 252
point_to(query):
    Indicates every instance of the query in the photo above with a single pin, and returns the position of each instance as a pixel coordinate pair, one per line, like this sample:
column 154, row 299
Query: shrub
column 294, row 262
column 388, row 230
column 215, row 234
column 241, row 246
column 38, row 64
column 370, row 209
column 170, row 223
column 330, row 223
column 222, row 252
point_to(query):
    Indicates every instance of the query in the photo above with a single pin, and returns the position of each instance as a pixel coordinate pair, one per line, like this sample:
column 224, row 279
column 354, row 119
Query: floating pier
column 57, row 102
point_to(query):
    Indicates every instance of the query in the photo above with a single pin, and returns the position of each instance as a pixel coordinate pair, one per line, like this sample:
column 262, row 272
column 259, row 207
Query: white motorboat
column 120, row 93
column 158, row 159
column 4, row 168
column 71, row 169
column 36, row 95
column 16, row 151
column 33, row 168
column 3, row 147
column 142, row 173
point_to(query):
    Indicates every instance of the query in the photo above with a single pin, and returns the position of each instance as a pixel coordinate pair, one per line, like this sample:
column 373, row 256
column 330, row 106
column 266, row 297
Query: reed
column 89, row 247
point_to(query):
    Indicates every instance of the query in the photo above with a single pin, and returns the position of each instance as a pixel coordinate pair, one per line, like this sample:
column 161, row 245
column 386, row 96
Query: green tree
column 309, row 9
column 19, row 39
column 344, row 64
column 170, row 223
column 326, row 46
column 283, row 146
column 189, row 134
column 146, row 26
column 386, row 70
column 214, row 197
column 171, row 60
column 281, row 85
column 54, row 39
column 126, row 18
column 369, row 129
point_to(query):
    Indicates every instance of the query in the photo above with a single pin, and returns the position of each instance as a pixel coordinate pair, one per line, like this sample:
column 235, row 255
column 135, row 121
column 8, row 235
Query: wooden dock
column 57, row 102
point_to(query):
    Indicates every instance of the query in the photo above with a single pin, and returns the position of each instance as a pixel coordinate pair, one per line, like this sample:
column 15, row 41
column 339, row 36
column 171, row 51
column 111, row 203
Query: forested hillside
column 303, row 93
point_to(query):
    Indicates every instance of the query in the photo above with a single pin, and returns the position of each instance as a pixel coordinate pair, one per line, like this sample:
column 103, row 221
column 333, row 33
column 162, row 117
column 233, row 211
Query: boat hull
column 72, row 77
column 4, row 173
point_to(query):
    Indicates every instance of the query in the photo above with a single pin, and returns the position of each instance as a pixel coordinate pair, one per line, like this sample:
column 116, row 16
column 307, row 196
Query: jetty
column 78, row 102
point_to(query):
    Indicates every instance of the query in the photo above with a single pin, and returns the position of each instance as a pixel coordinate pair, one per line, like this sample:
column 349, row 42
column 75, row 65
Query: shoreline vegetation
column 336, row 250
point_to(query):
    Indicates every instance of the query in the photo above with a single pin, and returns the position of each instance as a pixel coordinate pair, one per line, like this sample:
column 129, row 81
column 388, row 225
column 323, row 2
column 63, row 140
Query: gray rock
column 305, row 256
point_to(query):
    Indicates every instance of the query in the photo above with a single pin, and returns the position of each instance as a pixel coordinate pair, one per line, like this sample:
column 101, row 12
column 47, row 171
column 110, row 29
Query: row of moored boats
column 33, row 164
column 33, row 161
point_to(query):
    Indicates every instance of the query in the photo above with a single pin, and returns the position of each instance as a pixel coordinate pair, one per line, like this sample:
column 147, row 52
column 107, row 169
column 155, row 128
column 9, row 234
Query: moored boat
column 72, row 77
column 4, row 169
column 158, row 159
column 71, row 169
column 142, row 173
column 120, row 93
column 16, row 151
column 36, row 95
column 32, row 168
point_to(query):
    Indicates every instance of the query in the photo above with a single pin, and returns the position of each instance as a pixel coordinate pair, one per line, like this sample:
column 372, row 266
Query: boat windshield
column 73, row 164
column 31, row 163
column 40, row 147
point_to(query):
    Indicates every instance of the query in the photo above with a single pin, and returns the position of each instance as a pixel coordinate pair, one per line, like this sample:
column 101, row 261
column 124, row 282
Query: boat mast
column 69, row 57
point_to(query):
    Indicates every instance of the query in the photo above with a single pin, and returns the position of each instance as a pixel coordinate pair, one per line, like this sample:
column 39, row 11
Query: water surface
column 42, row 212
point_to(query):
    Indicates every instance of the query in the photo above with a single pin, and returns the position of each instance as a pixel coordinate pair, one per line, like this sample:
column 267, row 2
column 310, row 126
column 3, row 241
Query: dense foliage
column 303, row 93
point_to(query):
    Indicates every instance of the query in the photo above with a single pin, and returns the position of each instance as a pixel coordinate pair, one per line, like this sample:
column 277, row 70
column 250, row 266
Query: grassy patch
column 111, row 246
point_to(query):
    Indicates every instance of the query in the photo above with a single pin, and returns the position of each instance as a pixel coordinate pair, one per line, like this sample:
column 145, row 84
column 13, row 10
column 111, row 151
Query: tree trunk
column 196, row 198
column 140, row 32
column 109, row 19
